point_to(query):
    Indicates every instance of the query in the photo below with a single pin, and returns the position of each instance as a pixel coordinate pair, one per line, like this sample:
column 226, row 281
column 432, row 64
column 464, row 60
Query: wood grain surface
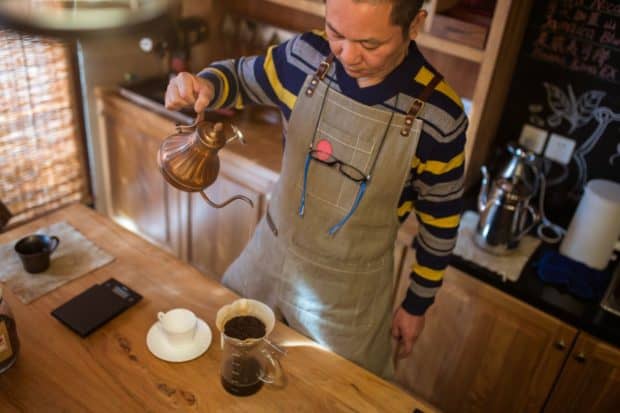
column 589, row 381
column 113, row 371
column 482, row 350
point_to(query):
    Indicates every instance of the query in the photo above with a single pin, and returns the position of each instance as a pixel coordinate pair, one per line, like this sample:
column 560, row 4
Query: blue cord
column 339, row 225
column 302, row 203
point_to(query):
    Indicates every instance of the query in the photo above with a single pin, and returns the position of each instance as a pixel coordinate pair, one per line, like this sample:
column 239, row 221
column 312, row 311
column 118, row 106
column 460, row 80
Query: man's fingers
column 170, row 102
column 180, row 92
column 185, row 84
column 201, row 103
column 186, row 90
column 204, row 91
column 173, row 100
column 406, row 346
column 406, row 328
column 396, row 331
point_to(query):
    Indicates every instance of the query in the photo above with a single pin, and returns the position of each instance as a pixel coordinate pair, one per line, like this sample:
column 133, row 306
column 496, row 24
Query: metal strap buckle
column 416, row 107
column 323, row 69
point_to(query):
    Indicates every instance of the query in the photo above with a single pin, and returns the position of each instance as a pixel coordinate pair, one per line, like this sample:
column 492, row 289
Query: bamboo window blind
column 42, row 158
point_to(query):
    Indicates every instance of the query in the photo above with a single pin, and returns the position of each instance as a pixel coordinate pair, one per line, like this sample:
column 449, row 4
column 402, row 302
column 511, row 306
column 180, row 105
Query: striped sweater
column 435, row 185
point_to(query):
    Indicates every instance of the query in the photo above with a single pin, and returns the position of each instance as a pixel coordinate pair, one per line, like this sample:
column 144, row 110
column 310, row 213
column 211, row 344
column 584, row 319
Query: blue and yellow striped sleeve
column 434, row 195
column 251, row 80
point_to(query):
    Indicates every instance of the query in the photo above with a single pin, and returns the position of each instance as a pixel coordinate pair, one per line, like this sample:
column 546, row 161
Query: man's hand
column 406, row 328
column 186, row 89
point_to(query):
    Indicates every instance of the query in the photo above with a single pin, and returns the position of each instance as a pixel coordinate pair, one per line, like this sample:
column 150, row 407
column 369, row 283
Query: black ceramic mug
column 35, row 251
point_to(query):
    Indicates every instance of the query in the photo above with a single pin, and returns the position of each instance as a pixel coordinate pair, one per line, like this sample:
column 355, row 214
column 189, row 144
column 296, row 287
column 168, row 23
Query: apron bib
column 335, row 289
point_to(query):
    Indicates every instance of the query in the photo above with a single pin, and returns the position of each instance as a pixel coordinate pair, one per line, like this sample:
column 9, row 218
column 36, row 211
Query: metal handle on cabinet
column 581, row 358
column 560, row 344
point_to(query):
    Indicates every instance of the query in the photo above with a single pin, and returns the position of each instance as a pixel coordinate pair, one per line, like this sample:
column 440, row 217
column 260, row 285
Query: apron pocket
column 356, row 247
column 340, row 298
column 328, row 186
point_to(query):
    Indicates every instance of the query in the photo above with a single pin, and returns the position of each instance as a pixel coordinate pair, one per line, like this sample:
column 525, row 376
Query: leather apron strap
column 414, row 109
column 320, row 74
column 418, row 104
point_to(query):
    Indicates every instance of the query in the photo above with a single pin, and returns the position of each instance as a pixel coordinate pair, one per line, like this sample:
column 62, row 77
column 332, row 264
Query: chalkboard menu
column 567, row 82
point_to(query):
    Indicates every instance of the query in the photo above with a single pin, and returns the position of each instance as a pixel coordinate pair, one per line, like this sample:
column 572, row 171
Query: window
column 42, row 157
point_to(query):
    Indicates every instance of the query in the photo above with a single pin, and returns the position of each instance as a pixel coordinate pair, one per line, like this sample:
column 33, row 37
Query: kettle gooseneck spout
column 223, row 204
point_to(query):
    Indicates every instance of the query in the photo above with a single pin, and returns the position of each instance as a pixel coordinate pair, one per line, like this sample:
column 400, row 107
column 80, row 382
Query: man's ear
column 417, row 24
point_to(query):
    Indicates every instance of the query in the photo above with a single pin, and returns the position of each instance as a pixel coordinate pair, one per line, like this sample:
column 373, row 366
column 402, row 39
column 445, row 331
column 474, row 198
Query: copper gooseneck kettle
column 188, row 159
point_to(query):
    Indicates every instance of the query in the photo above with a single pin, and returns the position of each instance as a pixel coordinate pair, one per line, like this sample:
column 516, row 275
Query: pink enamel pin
column 324, row 150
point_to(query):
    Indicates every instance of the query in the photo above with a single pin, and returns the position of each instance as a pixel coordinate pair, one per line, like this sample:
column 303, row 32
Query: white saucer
column 161, row 348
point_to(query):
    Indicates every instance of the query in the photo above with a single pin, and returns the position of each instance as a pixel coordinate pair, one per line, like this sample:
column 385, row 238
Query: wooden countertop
column 113, row 371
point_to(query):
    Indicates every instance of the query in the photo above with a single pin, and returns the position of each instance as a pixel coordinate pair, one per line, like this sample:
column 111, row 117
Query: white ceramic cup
column 179, row 325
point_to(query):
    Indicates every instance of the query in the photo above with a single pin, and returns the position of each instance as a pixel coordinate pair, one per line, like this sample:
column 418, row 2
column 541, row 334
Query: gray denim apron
column 336, row 289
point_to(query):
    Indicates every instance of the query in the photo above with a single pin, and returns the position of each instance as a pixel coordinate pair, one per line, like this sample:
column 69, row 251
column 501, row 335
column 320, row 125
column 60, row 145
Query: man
column 370, row 131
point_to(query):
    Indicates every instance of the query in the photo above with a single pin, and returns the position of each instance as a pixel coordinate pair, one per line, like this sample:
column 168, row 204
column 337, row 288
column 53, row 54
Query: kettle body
column 505, row 214
column 189, row 161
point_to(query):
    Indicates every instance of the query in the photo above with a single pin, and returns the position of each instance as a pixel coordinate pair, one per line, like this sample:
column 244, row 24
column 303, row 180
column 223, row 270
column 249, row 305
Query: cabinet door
column 217, row 236
column 590, row 380
column 482, row 350
column 140, row 199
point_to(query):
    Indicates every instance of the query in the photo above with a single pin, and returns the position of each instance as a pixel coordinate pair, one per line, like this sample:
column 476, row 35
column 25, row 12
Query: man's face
column 364, row 39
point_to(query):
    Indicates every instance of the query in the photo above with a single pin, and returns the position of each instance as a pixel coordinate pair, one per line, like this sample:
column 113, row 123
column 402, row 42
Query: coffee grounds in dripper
column 244, row 327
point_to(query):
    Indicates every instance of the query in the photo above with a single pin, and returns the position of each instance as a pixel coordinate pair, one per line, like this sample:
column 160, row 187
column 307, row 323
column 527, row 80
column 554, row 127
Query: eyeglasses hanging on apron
column 322, row 152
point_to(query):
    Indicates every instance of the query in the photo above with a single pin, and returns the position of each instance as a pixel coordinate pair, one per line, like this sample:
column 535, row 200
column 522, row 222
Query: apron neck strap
column 418, row 103
column 320, row 74
column 413, row 111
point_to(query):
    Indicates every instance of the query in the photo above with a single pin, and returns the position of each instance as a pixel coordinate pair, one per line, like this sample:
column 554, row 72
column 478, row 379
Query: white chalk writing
column 581, row 36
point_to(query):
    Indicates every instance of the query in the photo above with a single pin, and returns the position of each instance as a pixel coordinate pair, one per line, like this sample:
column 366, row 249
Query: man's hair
column 403, row 11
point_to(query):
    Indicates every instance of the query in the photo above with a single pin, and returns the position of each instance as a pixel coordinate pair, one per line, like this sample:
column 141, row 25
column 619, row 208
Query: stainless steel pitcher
column 504, row 214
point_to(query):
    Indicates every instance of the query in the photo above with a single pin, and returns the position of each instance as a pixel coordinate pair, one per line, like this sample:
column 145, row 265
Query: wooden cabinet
column 480, row 75
column 590, row 380
column 483, row 351
column 139, row 198
column 217, row 236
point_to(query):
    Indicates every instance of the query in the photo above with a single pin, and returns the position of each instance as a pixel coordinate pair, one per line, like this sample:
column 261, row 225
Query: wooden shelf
column 450, row 47
column 295, row 15
column 315, row 10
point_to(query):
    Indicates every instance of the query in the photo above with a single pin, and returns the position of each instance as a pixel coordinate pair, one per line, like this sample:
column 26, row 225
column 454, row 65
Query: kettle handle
column 200, row 116
column 535, row 218
column 188, row 128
